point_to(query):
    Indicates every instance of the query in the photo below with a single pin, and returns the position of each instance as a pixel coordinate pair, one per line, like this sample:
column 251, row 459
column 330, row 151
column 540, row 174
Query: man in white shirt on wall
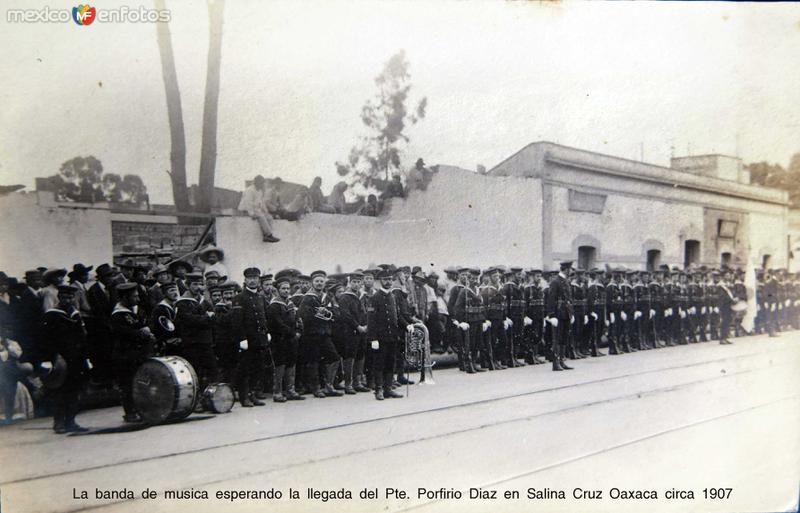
column 254, row 203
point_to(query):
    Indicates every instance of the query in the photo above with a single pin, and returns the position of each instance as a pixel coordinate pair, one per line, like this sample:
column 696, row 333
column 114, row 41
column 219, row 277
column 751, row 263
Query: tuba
column 418, row 352
column 166, row 323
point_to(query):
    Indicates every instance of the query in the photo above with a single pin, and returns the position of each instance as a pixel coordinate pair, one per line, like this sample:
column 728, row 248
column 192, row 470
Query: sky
column 629, row 79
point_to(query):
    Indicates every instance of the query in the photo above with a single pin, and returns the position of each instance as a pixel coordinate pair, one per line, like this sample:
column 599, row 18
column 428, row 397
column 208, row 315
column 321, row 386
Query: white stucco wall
column 50, row 236
column 461, row 219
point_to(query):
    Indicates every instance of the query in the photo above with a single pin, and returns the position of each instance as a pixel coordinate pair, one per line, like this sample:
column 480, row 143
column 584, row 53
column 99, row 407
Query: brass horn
column 166, row 323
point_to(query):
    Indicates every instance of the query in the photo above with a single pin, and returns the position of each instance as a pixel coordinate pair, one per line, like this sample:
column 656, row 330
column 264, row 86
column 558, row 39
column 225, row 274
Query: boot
column 277, row 384
column 348, row 377
column 330, row 375
column 291, row 394
column 387, row 389
column 557, row 365
column 564, row 366
column 358, row 371
column 312, row 380
column 378, row 383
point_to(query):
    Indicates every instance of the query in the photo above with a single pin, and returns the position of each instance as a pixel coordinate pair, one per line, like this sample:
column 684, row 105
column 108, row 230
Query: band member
column 460, row 323
column 363, row 367
column 469, row 306
column 162, row 275
column 643, row 311
column 227, row 330
column 577, row 347
column 101, row 297
column 560, row 314
column 179, row 269
column 317, row 345
column 382, row 336
column 534, row 315
column 656, row 286
column 405, row 318
column 285, row 332
column 596, row 306
column 194, row 319
column 63, row 331
column 256, row 338
column 615, row 303
column 353, row 322
column 162, row 321
column 133, row 343
column 631, row 340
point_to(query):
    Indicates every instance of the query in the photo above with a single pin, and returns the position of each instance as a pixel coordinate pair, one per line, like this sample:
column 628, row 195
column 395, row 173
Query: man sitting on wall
column 254, row 203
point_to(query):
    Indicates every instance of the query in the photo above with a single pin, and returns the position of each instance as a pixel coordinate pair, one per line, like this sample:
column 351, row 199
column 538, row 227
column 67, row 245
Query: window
column 586, row 256
column 727, row 229
column 653, row 259
column 691, row 252
column 725, row 259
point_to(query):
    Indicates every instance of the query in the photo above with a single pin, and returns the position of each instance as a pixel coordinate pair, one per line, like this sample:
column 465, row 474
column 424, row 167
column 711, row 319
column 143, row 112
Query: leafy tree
column 775, row 176
column 386, row 116
column 82, row 179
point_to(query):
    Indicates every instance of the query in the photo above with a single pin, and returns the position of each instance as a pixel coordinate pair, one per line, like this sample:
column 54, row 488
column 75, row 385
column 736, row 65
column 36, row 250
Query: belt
column 517, row 302
column 474, row 309
column 536, row 302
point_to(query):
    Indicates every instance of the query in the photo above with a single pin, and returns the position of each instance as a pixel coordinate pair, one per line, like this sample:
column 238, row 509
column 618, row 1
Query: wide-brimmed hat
column 212, row 249
column 54, row 273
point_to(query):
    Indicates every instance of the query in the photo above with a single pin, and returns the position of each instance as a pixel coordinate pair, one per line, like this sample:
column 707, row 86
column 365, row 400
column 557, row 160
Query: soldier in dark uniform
column 194, row 319
column 694, row 289
column 630, row 340
column 713, row 292
column 284, row 330
column 63, row 331
column 534, row 316
column 460, row 323
column 740, row 294
column 469, row 306
column 681, row 298
column 615, row 303
column 133, row 344
column 227, row 331
column 771, row 299
column 560, row 314
column 162, row 275
column 353, row 318
column 383, row 333
column 162, row 321
column 725, row 300
column 102, row 298
column 643, row 311
column 656, row 287
column 596, row 307
column 405, row 318
column 256, row 338
column 579, row 340
column 27, row 313
column 317, row 345
column 495, row 303
column 515, row 306
column 179, row 269
column 363, row 367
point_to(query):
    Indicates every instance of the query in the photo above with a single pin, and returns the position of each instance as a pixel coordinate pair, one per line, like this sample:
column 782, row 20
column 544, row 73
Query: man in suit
column 101, row 300
column 256, row 338
column 382, row 336
column 28, row 314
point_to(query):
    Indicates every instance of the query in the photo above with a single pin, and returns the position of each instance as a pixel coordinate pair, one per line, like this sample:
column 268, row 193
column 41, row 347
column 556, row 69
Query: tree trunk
column 208, row 151
column 177, row 158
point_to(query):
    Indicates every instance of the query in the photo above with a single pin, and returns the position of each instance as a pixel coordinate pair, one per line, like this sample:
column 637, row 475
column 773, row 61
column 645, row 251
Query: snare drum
column 164, row 389
column 218, row 397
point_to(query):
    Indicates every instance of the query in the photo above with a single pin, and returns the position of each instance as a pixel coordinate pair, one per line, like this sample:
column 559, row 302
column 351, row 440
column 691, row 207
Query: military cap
column 474, row 271
column 215, row 288
column 372, row 271
column 385, row 266
column 450, row 270
column 127, row 286
column 509, row 273
column 356, row 275
column 159, row 269
column 68, row 289
column 385, row 273
column 283, row 278
column 170, row 285
column 716, row 273
column 462, row 270
column 284, row 273
column 337, row 277
column 252, row 272
column 266, row 276
column 565, row 264
column 303, row 277
column 194, row 277
column 54, row 273
column 212, row 274
column 319, row 273
column 34, row 273
column 333, row 286
column 406, row 269
column 534, row 271
column 229, row 285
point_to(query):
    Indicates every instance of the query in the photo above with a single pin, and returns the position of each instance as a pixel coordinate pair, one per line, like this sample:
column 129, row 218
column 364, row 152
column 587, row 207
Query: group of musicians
column 331, row 335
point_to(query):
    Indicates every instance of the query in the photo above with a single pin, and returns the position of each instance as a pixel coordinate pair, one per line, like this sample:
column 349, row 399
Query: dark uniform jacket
column 282, row 321
column 404, row 313
column 131, row 343
column 28, row 319
column 469, row 306
column 596, row 300
column 559, row 299
column 614, row 298
column 382, row 322
column 63, row 333
column 534, row 301
column 495, row 302
column 167, row 311
column 253, row 318
column 193, row 323
column 515, row 300
column 317, row 319
column 351, row 314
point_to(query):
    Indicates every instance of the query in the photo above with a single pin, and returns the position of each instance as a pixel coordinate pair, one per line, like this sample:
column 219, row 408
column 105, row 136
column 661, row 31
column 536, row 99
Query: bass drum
column 164, row 389
column 218, row 397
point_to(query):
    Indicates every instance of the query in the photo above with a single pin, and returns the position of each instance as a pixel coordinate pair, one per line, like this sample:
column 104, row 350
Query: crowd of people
column 295, row 334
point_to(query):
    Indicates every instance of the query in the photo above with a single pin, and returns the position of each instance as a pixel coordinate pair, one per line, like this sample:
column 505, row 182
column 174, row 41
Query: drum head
column 219, row 397
column 156, row 389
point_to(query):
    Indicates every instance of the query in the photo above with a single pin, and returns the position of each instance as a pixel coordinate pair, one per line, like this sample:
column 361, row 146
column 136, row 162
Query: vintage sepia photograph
column 385, row 255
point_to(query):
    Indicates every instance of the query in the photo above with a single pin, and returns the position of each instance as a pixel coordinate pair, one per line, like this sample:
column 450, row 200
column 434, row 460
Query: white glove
column 48, row 366
column 636, row 314
column 703, row 310
column 594, row 316
column 210, row 314
column 410, row 328
column 572, row 319
column 652, row 313
column 612, row 317
column 624, row 316
column 510, row 322
column 456, row 324
column 772, row 307
column 692, row 310
column 758, row 307
column 527, row 321
column 464, row 326
column 787, row 302
column 797, row 303
column 683, row 314
column 553, row 322
column 716, row 309
column 607, row 323
column 243, row 345
column 485, row 327
column 89, row 364
column 3, row 354
column 585, row 319
column 375, row 345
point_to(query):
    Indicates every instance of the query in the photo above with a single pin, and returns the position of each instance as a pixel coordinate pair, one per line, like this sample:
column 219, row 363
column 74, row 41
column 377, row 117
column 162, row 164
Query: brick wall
column 142, row 237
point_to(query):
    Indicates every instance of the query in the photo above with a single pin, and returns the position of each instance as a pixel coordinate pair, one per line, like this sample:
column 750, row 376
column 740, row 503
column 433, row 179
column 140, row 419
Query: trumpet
column 166, row 323
column 323, row 313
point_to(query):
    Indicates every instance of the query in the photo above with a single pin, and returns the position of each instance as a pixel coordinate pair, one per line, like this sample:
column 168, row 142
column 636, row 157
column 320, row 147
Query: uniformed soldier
column 194, row 319
column 615, row 303
column 317, row 345
column 740, row 294
column 353, row 317
column 133, row 344
column 459, row 320
column 697, row 302
column 560, row 314
column 285, row 332
column 681, row 295
column 65, row 336
column 162, row 275
column 256, row 337
column 162, row 321
column 227, row 330
column 405, row 318
column 725, row 300
column 179, row 269
column 382, row 336
column 713, row 292
column 534, row 316
column 515, row 306
column 363, row 366
column 469, row 306
column 644, row 312
column 656, row 286
column 578, row 344
column 596, row 307
column 495, row 303
column 631, row 341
